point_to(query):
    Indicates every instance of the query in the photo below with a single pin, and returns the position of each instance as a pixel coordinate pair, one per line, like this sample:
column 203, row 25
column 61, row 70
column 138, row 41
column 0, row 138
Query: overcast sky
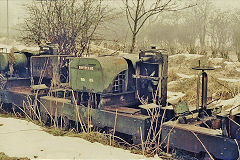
column 16, row 10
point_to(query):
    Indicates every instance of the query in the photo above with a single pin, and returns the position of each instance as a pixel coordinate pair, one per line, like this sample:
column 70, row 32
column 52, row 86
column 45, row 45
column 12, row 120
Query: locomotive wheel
column 44, row 118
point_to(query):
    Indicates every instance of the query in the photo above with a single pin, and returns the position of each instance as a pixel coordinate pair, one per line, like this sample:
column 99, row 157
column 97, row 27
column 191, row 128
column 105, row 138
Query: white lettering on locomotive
column 85, row 68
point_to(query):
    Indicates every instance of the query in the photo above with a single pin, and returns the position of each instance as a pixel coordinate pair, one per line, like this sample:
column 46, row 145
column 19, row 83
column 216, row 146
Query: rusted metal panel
column 151, row 75
column 122, row 109
column 42, row 66
column 17, row 91
column 59, row 106
column 164, row 80
column 16, row 98
column 181, row 137
column 17, row 82
column 48, row 66
column 99, row 118
column 123, row 99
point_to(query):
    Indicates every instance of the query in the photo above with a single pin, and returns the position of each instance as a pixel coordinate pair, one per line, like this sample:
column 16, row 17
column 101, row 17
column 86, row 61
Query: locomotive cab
column 151, row 76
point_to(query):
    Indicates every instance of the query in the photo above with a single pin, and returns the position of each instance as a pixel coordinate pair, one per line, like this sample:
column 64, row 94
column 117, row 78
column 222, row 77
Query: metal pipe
column 204, row 89
column 198, row 87
column 7, row 23
column 198, row 91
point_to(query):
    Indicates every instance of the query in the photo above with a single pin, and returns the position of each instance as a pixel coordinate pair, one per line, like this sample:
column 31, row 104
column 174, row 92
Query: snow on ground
column 174, row 97
column 185, row 76
column 231, row 66
column 181, row 65
column 14, row 44
column 20, row 138
column 187, row 56
column 216, row 61
column 233, row 103
column 19, row 47
column 217, row 67
column 173, row 83
column 229, row 80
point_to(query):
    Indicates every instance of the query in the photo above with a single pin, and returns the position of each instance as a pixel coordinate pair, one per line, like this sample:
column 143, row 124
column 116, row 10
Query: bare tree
column 236, row 33
column 202, row 14
column 220, row 32
column 139, row 11
column 71, row 24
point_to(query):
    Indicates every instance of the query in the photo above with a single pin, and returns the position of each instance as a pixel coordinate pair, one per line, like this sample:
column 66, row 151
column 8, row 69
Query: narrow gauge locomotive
column 101, row 87
column 65, row 87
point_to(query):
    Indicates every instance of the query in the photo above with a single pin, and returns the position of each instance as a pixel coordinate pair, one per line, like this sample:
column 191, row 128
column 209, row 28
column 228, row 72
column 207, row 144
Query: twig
column 115, row 123
column 56, row 117
column 24, row 112
column 160, row 130
column 238, row 148
column 78, row 114
column 143, row 149
column 202, row 145
column 168, row 133
column 123, row 141
column 168, row 143
column 46, row 110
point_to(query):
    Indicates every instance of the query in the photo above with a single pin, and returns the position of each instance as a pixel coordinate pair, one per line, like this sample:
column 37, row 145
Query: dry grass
column 152, row 145
column 223, row 90
column 3, row 156
column 172, row 75
column 216, row 89
column 55, row 131
column 188, row 87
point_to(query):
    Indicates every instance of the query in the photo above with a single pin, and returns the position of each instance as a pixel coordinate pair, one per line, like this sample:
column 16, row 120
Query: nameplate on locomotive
column 88, row 68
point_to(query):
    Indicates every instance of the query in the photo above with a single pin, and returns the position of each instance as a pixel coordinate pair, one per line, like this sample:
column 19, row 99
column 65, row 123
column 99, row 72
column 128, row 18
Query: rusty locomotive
column 117, row 92
column 65, row 85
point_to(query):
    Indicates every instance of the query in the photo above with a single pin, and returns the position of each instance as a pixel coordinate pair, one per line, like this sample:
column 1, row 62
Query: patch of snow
column 19, row 47
column 187, row 56
column 174, row 97
column 216, row 60
column 103, row 48
column 230, row 66
column 229, row 80
column 216, row 67
column 232, row 63
column 185, row 76
column 172, row 83
column 20, row 138
column 230, row 102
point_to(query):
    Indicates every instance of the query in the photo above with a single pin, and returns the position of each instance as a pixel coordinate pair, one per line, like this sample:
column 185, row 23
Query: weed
column 55, row 131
